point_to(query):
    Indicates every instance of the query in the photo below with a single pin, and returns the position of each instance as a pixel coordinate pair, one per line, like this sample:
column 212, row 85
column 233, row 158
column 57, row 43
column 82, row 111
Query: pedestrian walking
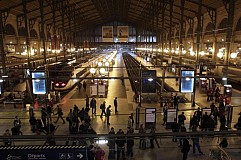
column 181, row 118
column 93, row 105
column 164, row 115
column 33, row 123
column 60, row 114
column 196, row 144
column 142, row 143
column 44, row 116
column 185, row 148
column 115, row 104
column 87, row 103
column 79, row 86
column 102, row 107
column 99, row 154
column 108, row 113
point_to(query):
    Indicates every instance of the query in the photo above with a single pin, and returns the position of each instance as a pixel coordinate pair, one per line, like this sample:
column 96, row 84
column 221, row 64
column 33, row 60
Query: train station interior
column 120, row 79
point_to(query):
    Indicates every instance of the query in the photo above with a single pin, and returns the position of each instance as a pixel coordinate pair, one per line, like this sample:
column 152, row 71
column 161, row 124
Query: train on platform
column 69, row 76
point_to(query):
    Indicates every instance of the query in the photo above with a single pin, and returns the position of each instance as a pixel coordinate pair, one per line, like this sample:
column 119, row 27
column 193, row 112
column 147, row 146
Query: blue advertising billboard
column 38, row 82
column 187, row 81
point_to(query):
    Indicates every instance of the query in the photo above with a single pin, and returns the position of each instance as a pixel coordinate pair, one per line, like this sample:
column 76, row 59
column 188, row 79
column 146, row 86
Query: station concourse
column 158, row 59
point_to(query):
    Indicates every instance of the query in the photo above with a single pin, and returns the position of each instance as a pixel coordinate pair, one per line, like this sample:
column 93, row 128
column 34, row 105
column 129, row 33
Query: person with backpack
column 60, row 114
column 102, row 107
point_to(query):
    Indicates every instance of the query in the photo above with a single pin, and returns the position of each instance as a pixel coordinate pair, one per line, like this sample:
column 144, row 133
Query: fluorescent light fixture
column 5, row 76
column 150, row 79
column 224, row 78
column 1, row 80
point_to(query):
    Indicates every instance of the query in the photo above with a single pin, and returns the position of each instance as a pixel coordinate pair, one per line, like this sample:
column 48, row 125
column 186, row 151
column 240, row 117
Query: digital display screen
column 187, row 81
column 38, row 82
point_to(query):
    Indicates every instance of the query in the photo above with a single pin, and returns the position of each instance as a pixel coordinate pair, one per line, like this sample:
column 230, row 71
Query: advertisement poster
column 38, row 82
column 187, row 81
column 101, row 90
column 122, row 33
column 93, row 90
column 107, row 34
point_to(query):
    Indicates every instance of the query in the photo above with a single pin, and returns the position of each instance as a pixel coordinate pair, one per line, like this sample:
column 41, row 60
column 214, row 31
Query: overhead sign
column 171, row 115
column 107, row 34
column 122, row 33
column 43, row 153
column 38, row 83
column 187, row 81
column 149, row 81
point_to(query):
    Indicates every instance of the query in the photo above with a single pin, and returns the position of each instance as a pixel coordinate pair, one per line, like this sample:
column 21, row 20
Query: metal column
column 181, row 46
column 229, row 36
column 63, row 30
column 199, row 29
column 170, row 25
column 3, row 55
column 54, row 6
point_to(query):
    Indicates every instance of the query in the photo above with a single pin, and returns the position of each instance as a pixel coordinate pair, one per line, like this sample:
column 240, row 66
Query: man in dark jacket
column 185, row 148
column 111, row 145
column 102, row 107
column 115, row 104
column 93, row 105
column 120, row 142
column 108, row 111
column 181, row 118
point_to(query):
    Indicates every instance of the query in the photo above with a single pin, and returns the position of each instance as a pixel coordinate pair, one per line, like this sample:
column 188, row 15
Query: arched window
column 238, row 26
column 223, row 26
column 33, row 34
column 9, row 30
column 189, row 32
column 22, row 31
column 209, row 29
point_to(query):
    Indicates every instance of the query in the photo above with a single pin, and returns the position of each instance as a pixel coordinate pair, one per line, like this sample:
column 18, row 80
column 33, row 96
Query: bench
column 14, row 102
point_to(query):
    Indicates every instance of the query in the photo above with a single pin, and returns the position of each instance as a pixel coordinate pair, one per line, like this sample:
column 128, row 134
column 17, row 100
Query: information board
column 171, row 115
column 38, row 83
column 187, row 81
column 149, row 81
column 101, row 90
column 93, row 90
column 150, row 117
column 43, row 153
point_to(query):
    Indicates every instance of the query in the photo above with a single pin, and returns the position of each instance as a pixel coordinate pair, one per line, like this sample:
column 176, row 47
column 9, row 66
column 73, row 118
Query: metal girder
column 17, row 5
column 190, row 21
column 202, row 4
column 48, row 27
column 5, row 14
column 20, row 19
column 32, row 23
column 213, row 15
column 226, row 4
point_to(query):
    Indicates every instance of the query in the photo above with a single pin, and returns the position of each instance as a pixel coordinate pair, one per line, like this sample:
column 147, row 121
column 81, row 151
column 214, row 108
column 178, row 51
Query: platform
column 126, row 106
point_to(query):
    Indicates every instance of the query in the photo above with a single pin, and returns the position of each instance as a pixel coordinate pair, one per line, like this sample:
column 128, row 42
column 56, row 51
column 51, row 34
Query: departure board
column 187, row 81
column 38, row 83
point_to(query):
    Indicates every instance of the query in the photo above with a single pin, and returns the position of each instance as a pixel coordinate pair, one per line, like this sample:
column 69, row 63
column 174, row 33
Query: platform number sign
column 38, row 83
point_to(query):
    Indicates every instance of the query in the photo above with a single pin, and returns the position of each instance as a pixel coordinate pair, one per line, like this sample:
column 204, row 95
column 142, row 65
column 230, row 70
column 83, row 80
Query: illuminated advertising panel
column 187, row 81
column 38, row 83
column 107, row 34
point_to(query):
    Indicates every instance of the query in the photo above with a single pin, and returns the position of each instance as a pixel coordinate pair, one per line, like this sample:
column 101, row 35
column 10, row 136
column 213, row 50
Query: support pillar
column 229, row 36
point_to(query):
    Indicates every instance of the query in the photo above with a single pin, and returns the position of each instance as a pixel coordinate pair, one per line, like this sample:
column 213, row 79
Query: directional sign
column 43, row 153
